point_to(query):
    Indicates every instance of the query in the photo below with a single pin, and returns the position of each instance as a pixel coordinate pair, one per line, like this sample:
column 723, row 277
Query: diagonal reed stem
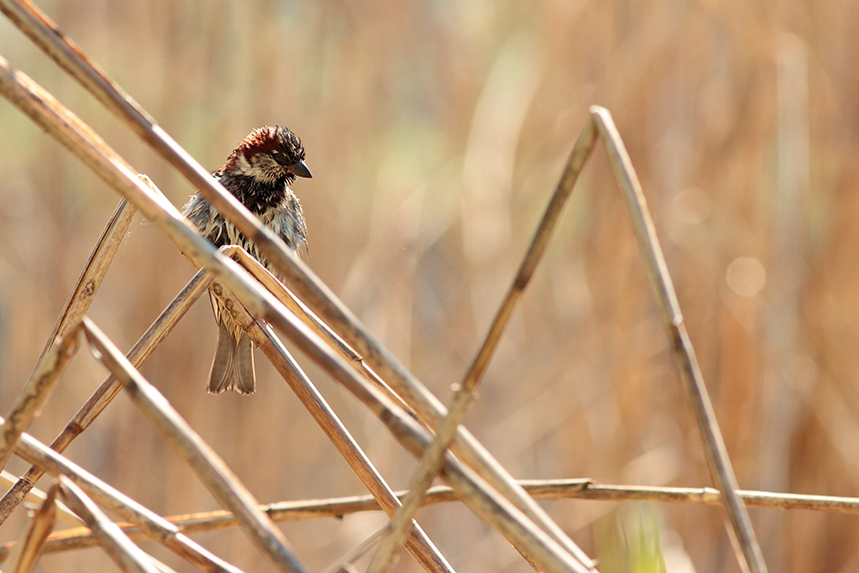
column 745, row 544
column 128, row 556
column 36, row 391
column 94, row 270
column 105, row 393
column 531, row 542
column 430, row 463
column 37, row 497
column 417, row 543
column 154, row 526
column 32, row 539
column 420, row 546
column 523, row 534
column 208, row 466
column 298, row 308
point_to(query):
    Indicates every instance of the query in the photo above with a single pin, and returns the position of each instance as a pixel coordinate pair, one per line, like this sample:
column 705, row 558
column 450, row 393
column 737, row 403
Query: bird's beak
column 299, row 169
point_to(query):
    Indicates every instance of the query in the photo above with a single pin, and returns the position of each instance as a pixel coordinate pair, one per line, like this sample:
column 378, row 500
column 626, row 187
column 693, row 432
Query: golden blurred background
column 436, row 133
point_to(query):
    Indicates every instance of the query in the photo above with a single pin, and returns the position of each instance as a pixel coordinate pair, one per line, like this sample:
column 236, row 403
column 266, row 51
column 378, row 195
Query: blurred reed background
column 435, row 133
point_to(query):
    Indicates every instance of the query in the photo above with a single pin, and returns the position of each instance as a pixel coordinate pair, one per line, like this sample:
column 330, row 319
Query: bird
column 258, row 172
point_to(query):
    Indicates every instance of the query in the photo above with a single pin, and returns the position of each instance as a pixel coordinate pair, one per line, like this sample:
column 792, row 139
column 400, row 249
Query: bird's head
column 269, row 155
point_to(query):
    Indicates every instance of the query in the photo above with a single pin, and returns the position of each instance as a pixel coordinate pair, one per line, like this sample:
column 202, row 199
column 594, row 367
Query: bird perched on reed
column 258, row 173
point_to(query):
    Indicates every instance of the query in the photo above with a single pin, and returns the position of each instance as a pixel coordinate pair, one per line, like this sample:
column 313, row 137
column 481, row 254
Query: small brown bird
column 258, row 172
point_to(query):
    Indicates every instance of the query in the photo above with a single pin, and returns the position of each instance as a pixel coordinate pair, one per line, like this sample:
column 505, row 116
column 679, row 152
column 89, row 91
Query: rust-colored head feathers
column 270, row 155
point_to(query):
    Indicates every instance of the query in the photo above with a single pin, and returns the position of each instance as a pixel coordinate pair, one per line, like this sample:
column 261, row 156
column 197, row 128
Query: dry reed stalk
column 745, row 544
column 313, row 292
column 559, row 489
column 704, row 495
column 299, row 309
column 484, row 501
column 155, row 526
column 128, row 556
column 105, row 393
column 94, row 270
column 315, row 403
column 36, row 391
column 143, row 348
column 38, row 497
column 85, row 144
column 417, row 542
column 420, row 546
column 29, row 545
column 748, row 551
column 496, row 510
column 209, row 467
column 523, row 534
column 430, row 463
column 289, row 300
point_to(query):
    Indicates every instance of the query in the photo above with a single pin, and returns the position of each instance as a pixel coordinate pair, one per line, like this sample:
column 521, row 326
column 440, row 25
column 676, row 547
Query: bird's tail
column 233, row 366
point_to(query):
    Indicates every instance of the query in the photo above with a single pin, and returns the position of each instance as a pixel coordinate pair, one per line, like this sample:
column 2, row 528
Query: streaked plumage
column 258, row 173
